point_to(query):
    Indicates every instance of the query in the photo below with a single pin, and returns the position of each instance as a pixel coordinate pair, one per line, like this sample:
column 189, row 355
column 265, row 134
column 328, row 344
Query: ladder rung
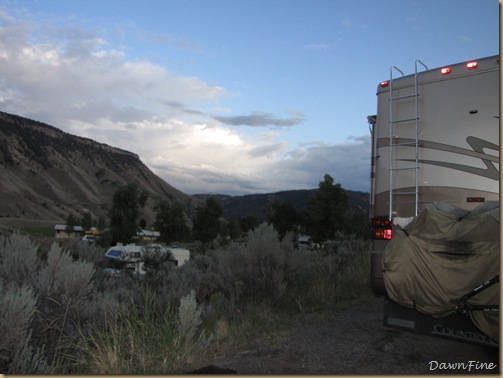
column 404, row 144
column 403, row 97
column 404, row 169
column 405, row 120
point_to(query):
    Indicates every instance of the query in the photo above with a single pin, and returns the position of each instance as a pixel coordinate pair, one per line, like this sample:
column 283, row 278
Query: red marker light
column 382, row 228
column 471, row 65
column 384, row 84
column 387, row 234
column 445, row 71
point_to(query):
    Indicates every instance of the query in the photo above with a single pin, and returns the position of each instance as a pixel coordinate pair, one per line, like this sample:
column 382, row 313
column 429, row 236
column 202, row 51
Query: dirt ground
column 356, row 342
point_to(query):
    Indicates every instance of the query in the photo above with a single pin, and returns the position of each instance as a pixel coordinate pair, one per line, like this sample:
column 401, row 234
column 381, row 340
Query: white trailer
column 132, row 256
column 435, row 138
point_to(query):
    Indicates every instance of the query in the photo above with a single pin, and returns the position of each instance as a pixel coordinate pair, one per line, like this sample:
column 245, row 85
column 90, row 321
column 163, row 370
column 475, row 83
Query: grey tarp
column 443, row 254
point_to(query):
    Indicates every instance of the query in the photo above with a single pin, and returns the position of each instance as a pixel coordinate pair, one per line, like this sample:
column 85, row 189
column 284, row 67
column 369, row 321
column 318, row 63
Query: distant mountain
column 47, row 174
column 235, row 207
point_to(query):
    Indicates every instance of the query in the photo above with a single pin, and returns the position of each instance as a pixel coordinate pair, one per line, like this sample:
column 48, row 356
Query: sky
column 229, row 96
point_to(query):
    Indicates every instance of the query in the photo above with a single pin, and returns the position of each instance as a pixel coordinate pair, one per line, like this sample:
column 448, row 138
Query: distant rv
column 132, row 256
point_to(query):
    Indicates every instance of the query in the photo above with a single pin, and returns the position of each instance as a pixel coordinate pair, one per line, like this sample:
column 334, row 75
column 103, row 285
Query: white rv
column 132, row 256
column 435, row 139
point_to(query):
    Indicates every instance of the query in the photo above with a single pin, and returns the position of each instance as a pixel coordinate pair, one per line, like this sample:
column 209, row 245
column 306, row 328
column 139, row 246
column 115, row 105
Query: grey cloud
column 175, row 104
column 91, row 112
column 303, row 168
column 193, row 180
column 348, row 163
column 267, row 150
column 182, row 108
column 260, row 119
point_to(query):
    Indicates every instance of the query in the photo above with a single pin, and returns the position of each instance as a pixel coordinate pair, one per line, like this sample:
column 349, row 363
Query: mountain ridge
column 48, row 173
column 255, row 205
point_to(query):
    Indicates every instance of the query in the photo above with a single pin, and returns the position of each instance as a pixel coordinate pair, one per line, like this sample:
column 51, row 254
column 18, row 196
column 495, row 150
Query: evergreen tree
column 171, row 221
column 71, row 222
column 283, row 217
column 102, row 223
column 207, row 221
column 126, row 204
column 248, row 222
column 234, row 229
column 87, row 221
column 327, row 210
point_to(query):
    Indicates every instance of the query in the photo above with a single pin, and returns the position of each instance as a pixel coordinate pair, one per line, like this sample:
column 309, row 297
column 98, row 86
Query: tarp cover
column 443, row 254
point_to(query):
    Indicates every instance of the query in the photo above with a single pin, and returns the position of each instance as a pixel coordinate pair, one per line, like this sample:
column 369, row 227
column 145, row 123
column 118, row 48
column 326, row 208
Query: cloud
column 61, row 73
column 247, row 168
column 348, row 163
column 261, row 119
column 268, row 150
column 75, row 80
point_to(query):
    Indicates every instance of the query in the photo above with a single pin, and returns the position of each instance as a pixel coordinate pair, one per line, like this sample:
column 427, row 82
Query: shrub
column 146, row 341
column 18, row 258
column 91, row 253
column 338, row 272
column 263, row 268
column 190, row 342
column 63, row 286
column 17, row 310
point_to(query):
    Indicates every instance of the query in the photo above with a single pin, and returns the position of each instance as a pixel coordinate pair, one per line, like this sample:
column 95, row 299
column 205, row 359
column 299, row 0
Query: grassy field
column 31, row 226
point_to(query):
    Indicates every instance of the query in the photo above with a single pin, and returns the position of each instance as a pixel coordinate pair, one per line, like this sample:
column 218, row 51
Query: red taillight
column 471, row 65
column 445, row 70
column 387, row 234
column 384, row 84
column 382, row 228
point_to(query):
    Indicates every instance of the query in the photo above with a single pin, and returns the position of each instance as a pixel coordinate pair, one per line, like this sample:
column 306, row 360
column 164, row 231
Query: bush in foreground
column 146, row 341
column 75, row 319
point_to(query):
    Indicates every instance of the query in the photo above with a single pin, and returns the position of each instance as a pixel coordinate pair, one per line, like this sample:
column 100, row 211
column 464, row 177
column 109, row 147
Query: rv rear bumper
column 455, row 326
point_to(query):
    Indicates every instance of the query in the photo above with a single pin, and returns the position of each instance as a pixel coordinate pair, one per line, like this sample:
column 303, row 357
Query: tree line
column 326, row 217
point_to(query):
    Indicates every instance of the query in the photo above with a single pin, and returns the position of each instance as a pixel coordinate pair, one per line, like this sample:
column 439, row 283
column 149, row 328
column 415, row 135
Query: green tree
column 171, row 221
column 248, row 222
column 327, row 210
column 71, row 222
column 207, row 221
column 126, row 204
column 283, row 217
column 102, row 223
column 86, row 221
column 234, row 229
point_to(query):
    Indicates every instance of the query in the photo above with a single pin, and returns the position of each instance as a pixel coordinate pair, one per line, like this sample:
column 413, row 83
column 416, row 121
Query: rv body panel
column 435, row 138
column 457, row 145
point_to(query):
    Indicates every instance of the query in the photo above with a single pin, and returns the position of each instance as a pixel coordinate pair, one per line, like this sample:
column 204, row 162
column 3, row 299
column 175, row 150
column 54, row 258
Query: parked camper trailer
column 435, row 139
column 132, row 256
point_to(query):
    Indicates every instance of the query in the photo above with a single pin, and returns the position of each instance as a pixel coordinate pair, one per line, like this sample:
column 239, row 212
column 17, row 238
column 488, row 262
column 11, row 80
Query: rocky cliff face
column 48, row 174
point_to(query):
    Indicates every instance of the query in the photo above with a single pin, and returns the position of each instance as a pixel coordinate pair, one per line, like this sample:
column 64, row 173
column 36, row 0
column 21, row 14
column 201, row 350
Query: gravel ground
column 356, row 342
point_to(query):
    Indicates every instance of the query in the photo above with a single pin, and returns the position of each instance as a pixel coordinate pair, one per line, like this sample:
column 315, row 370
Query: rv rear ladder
column 394, row 142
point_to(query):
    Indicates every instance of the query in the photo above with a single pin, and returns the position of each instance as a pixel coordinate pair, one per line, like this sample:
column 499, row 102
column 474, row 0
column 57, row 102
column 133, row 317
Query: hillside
column 47, row 174
column 235, row 207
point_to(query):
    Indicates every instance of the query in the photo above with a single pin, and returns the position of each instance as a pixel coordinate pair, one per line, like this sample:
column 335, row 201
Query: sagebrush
column 61, row 313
